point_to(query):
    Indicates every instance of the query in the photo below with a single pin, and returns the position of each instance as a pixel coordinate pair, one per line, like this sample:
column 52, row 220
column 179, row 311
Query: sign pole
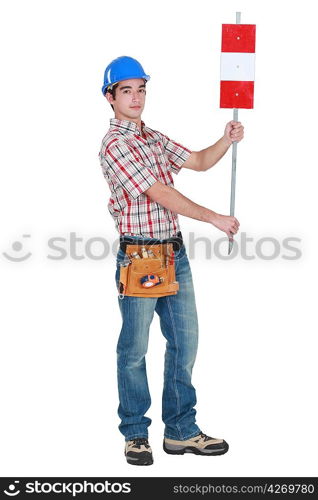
column 234, row 156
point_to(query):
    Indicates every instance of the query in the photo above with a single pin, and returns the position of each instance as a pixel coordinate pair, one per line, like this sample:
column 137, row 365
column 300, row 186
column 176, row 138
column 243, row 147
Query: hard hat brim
column 133, row 77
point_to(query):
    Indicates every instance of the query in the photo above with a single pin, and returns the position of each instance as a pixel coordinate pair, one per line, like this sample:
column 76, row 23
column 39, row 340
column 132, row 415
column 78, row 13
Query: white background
column 256, row 369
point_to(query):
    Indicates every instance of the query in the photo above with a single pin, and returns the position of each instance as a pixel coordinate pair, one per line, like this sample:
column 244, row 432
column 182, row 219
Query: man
column 137, row 163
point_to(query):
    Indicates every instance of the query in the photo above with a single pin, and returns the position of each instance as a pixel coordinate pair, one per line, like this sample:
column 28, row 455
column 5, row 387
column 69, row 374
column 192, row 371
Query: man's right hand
column 227, row 223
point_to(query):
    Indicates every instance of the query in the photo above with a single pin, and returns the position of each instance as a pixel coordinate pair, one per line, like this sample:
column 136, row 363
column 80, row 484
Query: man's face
column 129, row 100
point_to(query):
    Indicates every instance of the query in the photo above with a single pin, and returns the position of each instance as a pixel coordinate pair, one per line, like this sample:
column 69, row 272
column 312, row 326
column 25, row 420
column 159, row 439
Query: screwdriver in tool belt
column 144, row 253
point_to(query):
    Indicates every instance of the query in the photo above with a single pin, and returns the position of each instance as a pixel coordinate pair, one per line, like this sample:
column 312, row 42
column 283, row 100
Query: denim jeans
column 179, row 325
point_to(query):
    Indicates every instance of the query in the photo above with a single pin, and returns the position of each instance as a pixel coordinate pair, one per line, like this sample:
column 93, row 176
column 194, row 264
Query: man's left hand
column 234, row 131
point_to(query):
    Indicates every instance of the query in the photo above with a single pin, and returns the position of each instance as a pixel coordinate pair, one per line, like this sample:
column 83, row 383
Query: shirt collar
column 126, row 126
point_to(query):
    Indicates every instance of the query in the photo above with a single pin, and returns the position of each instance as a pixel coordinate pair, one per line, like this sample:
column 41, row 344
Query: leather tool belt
column 177, row 241
column 149, row 270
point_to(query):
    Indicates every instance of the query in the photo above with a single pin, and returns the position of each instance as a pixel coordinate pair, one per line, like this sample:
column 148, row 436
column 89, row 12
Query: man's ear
column 109, row 97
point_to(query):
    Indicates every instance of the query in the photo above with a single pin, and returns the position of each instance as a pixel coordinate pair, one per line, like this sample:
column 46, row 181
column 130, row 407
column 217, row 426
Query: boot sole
column 143, row 460
column 196, row 451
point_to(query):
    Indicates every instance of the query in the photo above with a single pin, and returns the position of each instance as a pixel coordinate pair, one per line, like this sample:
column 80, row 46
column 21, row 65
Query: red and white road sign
column 237, row 66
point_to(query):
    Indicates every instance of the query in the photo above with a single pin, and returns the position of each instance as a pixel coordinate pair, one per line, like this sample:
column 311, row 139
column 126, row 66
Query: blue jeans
column 179, row 325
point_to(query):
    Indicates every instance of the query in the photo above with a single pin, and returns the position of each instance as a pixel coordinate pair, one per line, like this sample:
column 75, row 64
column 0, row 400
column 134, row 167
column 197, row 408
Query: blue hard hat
column 123, row 68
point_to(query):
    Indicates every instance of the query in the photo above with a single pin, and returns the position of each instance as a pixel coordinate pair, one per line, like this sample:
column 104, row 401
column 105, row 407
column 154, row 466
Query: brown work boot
column 200, row 445
column 138, row 452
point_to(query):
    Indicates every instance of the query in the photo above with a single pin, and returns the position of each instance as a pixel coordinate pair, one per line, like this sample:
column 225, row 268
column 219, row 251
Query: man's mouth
column 135, row 107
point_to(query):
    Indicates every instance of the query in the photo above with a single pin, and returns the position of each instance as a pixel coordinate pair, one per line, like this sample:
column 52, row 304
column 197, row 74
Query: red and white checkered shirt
column 132, row 161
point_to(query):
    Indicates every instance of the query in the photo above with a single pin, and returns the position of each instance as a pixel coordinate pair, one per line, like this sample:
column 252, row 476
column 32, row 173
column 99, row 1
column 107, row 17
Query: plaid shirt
column 132, row 161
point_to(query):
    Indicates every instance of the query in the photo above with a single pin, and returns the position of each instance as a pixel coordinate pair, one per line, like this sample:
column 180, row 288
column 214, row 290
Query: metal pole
column 234, row 155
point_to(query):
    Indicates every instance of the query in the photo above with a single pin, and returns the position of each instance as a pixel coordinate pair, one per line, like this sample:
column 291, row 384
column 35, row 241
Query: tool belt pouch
column 160, row 269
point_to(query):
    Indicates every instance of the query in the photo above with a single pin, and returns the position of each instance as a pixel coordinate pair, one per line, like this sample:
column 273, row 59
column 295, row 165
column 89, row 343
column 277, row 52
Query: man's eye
column 143, row 90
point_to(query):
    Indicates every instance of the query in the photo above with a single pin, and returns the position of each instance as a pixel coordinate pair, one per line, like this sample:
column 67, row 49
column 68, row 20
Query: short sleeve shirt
column 132, row 161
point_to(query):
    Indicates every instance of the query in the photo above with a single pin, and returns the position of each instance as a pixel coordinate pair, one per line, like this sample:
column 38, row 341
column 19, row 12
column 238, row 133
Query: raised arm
column 206, row 158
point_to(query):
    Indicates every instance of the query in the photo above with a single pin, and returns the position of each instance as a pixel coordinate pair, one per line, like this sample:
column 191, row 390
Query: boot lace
column 138, row 442
column 205, row 437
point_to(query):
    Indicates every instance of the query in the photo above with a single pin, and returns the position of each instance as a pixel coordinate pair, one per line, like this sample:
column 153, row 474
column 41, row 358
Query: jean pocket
column 121, row 257
column 179, row 254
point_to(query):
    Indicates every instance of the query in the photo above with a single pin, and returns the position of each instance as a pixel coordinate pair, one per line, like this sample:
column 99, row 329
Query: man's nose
column 135, row 96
